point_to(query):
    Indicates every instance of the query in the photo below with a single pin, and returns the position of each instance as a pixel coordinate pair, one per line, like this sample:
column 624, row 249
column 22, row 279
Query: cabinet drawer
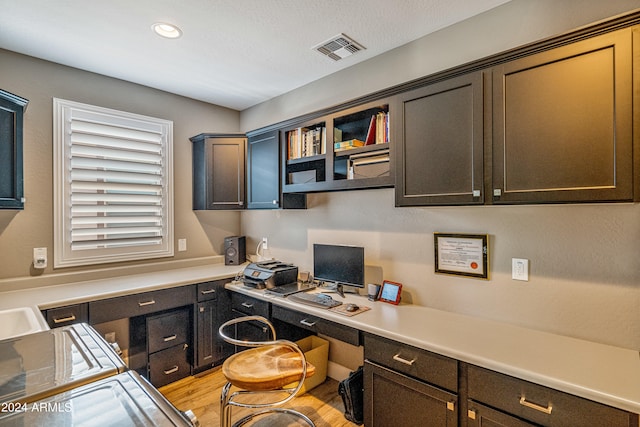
column 209, row 290
column 139, row 304
column 539, row 404
column 167, row 330
column 169, row 365
column 430, row 367
column 249, row 305
column 317, row 325
column 62, row 316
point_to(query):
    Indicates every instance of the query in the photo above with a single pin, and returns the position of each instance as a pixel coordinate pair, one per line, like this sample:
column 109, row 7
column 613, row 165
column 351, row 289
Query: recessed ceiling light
column 169, row 31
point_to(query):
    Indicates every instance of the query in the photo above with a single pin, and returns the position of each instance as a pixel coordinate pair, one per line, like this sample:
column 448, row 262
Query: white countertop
column 73, row 293
column 598, row 372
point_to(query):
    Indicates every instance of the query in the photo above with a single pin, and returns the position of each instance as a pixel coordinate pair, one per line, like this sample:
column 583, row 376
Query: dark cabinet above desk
column 563, row 123
column 263, row 175
column 440, row 151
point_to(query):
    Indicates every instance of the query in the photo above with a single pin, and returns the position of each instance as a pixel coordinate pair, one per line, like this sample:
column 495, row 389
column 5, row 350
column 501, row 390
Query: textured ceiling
column 234, row 53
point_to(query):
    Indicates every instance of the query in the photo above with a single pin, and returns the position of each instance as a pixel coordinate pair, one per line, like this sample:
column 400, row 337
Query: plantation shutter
column 117, row 185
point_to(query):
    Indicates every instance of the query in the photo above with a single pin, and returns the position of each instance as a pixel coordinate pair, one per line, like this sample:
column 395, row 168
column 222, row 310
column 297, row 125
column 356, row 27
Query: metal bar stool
column 265, row 368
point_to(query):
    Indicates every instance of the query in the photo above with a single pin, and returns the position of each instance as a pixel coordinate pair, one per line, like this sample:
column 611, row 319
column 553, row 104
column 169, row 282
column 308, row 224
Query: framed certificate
column 462, row 254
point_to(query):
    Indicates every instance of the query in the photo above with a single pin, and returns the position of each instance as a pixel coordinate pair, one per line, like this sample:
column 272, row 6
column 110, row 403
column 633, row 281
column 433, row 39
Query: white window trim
column 161, row 245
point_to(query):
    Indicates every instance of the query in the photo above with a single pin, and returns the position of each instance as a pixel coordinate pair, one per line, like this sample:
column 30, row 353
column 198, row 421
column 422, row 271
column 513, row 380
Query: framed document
column 462, row 254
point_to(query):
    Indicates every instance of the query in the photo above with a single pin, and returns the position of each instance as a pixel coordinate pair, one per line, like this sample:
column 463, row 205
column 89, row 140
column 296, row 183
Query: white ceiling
column 234, row 53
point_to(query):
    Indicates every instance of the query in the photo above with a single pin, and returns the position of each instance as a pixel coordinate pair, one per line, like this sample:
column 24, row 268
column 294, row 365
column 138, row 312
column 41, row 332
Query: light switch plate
column 520, row 269
column 182, row 245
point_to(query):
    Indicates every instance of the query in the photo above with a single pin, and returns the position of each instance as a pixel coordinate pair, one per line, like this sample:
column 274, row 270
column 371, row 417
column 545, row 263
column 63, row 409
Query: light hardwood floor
column 201, row 394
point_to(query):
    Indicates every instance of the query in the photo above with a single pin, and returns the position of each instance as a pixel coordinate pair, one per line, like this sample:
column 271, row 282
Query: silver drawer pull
column 172, row 370
column 170, row 338
column 547, row 410
column 65, row 319
column 142, row 304
column 208, row 291
column 397, row 358
column 305, row 322
column 247, row 305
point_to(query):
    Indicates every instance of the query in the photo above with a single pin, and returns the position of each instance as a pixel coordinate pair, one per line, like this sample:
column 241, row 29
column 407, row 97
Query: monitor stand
column 338, row 288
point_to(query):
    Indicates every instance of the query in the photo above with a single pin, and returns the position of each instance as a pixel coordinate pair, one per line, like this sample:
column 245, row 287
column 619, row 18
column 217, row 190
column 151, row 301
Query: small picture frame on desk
column 391, row 292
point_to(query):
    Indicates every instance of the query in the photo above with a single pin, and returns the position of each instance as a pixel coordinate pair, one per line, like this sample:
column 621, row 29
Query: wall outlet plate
column 40, row 258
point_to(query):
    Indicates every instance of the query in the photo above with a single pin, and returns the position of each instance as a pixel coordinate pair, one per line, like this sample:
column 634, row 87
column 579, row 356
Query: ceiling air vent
column 338, row 47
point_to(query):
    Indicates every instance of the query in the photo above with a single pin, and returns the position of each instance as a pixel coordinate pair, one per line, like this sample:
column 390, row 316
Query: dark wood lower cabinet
column 393, row 399
column 479, row 415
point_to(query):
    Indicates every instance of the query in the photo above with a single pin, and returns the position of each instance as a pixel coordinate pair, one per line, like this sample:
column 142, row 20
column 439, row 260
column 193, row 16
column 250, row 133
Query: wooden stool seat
column 265, row 368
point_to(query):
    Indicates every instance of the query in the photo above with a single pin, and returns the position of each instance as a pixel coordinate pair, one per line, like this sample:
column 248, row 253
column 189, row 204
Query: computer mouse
column 351, row 307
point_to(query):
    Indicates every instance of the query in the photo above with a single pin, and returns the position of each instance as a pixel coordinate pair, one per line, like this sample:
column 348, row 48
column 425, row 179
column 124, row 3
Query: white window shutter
column 113, row 188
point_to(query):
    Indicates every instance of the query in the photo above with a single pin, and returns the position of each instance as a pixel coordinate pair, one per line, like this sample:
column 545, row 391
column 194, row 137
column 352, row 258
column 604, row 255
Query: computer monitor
column 340, row 265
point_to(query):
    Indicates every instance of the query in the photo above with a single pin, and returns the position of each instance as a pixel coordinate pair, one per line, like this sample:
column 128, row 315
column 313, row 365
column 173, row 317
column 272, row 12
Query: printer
column 269, row 274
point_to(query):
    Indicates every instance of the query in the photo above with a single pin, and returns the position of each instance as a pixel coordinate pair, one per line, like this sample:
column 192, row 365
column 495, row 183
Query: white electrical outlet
column 520, row 269
column 40, row 258
column 182, row 245
column 265, row 243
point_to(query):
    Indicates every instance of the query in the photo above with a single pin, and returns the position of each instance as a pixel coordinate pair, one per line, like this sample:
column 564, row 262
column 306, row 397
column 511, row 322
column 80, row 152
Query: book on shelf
column 305, row 142
column 345, row 145
column 382, row 128
column 371, row 132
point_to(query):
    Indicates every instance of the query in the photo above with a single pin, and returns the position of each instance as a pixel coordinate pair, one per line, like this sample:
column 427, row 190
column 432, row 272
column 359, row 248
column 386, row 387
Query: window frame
column 64, row 113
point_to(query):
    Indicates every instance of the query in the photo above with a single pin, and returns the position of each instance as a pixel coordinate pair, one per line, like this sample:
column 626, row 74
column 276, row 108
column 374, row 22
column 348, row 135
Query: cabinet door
column 218, row 172
column 482, row 416
column 207, row 331
column 562, row 124
column 11, row 163
column 263, row 171
column 440, row 154
column 392, row 399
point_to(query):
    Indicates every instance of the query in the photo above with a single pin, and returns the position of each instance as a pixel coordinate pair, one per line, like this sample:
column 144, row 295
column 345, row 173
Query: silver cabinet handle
column 547, row 410
column 172, row 370
column 142, row 304
column 397, row 358
column 305, row 322
column 64, row 319
column 246, row 305
column 208, row 291
column 170, row 338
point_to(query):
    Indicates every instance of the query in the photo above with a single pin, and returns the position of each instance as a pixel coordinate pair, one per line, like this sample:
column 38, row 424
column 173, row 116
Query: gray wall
column 584, row 268
column 21, row 231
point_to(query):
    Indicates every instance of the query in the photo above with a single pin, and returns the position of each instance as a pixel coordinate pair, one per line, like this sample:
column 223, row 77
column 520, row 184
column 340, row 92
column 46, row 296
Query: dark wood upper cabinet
column 563, row 124
column 219, row 171
column 440, row 149
column 11, row 162
column 263, row 171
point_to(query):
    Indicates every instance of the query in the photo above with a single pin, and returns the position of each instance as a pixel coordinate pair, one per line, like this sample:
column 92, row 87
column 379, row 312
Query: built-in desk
column 593, row 371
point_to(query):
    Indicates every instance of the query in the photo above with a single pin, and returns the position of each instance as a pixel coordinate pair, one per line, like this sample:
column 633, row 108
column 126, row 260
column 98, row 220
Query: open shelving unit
column 345, row 150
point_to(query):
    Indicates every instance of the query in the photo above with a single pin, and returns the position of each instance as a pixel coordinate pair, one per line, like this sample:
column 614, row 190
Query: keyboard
column 315, row 300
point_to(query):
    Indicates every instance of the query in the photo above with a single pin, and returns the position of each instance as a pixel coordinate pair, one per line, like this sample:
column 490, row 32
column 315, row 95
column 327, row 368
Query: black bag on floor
column 351, row 390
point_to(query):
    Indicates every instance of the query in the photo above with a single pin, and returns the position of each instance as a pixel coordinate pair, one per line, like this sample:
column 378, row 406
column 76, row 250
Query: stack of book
column 305, row 142
column 347, row 145
column 378, row 132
